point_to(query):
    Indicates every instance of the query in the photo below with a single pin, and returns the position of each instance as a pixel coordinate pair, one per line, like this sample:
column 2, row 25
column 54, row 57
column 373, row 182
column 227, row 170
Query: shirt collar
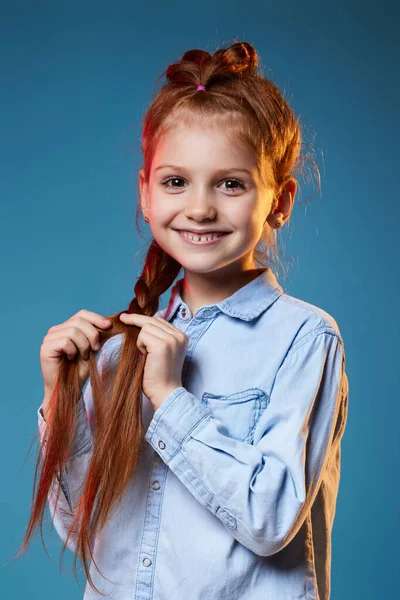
column 247, row 303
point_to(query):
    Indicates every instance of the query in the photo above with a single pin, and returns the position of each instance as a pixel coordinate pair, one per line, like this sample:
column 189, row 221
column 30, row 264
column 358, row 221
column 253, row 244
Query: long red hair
column 248, row 105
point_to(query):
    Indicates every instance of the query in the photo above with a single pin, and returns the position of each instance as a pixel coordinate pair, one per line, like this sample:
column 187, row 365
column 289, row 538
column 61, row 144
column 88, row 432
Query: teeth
column 203, row 238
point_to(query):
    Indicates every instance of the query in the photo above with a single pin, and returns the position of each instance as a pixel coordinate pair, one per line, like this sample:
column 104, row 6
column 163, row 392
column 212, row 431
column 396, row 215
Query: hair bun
column 241, row 58
column 199, row 57
column 186, row 70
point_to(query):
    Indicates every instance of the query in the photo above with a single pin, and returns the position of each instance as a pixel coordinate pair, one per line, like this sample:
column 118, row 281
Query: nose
column 200, row 209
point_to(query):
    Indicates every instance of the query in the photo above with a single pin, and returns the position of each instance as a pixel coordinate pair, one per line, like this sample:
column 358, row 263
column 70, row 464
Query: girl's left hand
column 164, row 347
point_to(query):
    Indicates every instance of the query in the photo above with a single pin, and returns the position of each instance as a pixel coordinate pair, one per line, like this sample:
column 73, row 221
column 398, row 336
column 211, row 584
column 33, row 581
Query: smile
column 203, row 240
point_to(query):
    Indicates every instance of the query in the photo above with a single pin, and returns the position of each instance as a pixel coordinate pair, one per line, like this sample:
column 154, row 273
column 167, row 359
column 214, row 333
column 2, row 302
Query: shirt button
column 147, row 562
column 161, row 444
column 184, row 313
column 207, row 312
column 155, row 485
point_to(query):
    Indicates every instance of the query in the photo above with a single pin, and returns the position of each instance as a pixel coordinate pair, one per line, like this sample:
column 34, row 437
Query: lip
column 209, row 243
column 203, row 231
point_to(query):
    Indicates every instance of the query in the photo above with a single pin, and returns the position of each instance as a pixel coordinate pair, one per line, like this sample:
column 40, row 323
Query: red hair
column 247, row 105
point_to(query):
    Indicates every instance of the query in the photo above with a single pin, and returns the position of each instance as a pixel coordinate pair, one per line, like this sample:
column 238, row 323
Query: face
column 213, row 185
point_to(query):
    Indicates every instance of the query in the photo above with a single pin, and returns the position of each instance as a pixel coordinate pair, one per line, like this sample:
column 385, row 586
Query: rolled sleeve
column 262, row 491
column 173, row 421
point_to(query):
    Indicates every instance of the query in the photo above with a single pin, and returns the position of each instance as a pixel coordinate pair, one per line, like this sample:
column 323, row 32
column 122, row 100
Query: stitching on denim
column 155, row 555
column 310, row 336
column 207, row 416
column 213, row 496
column 261, row 400
column 161, row 415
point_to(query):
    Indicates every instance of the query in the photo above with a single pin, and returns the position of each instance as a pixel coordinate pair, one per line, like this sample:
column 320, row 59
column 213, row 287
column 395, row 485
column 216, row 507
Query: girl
column 202, row 461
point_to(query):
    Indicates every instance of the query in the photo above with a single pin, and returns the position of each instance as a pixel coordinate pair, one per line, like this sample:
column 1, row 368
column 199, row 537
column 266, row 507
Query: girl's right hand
column 80, row 333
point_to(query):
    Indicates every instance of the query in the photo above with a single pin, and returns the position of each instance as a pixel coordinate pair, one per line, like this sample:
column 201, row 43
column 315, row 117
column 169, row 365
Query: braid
column 159, row 272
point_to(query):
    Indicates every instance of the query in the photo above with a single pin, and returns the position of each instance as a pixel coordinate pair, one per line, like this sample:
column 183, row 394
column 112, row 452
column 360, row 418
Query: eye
column 175, row 179
column 241, row 184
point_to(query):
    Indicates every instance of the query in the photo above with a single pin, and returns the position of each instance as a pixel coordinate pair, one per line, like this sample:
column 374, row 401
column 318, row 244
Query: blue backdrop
column 76, row 78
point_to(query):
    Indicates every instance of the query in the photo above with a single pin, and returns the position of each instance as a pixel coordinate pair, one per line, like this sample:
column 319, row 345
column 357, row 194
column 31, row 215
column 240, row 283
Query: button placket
column 149, row 539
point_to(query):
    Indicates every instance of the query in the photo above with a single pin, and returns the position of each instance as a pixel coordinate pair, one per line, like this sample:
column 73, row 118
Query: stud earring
column 146, row 219
column 277, row 223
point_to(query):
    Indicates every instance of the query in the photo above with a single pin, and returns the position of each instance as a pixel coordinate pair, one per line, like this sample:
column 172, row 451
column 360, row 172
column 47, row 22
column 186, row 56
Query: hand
column 79, row 335
column 164, row 347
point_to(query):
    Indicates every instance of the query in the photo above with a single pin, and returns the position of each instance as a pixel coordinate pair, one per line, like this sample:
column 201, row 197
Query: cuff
column 173, row 421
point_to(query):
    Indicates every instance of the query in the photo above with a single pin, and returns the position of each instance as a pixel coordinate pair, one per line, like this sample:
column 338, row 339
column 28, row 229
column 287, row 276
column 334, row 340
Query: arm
column 68, row 485
column 261, row 492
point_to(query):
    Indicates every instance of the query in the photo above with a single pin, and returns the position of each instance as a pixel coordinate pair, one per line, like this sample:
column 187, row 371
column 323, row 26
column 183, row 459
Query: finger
column 96, row 321
column 159, row 332
column 78, row 338
column 166, row 323
column 142, row 320
column 169, row 329
column 64, row 344
column 93, row 318
column 180, row 335
column 153, row 334
column 91, row 332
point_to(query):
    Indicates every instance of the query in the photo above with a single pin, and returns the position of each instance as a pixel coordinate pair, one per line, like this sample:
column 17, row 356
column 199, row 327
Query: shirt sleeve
column 68, row 485
column 263, row 491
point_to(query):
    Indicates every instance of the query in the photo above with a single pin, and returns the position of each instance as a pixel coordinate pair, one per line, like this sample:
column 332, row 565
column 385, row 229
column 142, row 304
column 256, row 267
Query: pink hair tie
column 201, row 87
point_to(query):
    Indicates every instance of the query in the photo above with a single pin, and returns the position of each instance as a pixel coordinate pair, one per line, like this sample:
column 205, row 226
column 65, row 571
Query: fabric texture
column 235, row 497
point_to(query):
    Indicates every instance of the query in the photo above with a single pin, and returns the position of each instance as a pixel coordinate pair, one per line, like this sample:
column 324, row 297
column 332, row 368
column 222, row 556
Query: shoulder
column 307, row 320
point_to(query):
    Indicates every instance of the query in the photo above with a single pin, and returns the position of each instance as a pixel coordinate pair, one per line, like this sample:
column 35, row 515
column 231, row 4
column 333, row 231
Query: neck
column 201, row 289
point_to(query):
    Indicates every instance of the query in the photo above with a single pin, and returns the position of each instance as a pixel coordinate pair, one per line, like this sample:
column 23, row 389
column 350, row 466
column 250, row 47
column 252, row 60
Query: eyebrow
column 218, row 170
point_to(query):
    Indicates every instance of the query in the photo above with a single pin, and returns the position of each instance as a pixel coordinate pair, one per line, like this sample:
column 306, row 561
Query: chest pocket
column 238, row 412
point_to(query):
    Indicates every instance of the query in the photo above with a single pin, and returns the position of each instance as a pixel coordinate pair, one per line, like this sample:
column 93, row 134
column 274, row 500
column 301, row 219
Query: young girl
column 202, row 460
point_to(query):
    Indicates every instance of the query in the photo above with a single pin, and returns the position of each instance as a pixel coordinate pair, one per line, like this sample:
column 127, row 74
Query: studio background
column 76, row 79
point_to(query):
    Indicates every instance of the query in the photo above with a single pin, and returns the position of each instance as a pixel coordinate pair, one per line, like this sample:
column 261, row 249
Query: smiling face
column 205, row 189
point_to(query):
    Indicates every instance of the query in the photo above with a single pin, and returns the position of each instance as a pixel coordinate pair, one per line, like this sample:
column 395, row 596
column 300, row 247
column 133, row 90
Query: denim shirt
column 236, row 491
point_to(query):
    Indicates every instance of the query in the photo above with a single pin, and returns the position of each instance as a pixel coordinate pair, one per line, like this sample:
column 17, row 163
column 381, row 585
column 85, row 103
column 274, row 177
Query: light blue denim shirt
column 235, row 497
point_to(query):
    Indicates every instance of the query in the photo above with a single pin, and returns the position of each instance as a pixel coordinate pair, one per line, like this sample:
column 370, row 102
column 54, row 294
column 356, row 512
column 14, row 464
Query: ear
column 143, row 191
column 284, row 203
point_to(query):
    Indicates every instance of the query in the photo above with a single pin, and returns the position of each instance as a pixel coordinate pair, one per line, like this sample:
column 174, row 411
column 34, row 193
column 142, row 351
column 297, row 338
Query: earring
column 277, row 223
column 146, row 219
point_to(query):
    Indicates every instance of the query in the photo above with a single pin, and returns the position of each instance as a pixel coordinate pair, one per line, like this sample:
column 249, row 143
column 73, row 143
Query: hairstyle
column 247, row 105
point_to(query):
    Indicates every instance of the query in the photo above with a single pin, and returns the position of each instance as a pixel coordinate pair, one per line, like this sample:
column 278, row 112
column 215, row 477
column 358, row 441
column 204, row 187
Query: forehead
column 196, row 146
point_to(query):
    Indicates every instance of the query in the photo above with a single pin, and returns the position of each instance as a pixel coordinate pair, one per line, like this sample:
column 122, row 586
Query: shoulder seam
column 323, row 328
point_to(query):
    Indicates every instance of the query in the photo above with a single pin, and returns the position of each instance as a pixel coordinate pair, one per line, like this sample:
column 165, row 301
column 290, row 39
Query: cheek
column 246, row 221
column 250, row 229
column 163, row 210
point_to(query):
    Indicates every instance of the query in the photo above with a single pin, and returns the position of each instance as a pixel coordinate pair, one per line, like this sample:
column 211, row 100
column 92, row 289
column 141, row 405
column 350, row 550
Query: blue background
column 76, row 79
